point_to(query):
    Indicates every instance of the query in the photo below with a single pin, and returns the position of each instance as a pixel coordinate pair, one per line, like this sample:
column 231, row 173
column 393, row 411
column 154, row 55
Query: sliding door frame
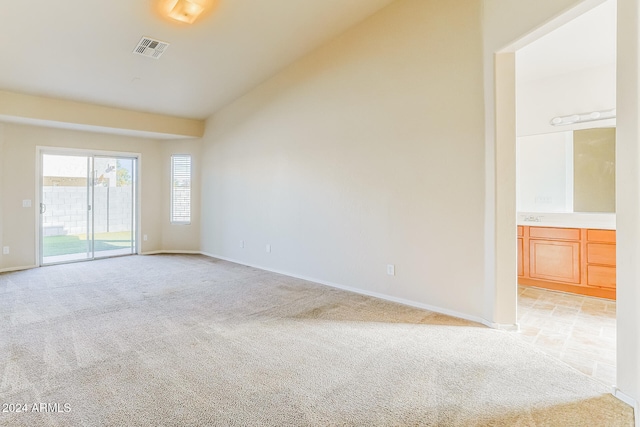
column 63, row 151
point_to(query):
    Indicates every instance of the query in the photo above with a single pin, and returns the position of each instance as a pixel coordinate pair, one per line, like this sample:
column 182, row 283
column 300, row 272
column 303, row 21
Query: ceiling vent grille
column 150, row 48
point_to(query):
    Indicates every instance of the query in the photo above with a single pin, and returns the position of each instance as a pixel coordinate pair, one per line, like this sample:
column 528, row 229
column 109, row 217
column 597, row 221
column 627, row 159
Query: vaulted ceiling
column 82, row 49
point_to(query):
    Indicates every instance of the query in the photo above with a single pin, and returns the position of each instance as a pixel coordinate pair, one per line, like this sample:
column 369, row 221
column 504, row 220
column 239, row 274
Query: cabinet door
column 554, row 260
column 520, row 257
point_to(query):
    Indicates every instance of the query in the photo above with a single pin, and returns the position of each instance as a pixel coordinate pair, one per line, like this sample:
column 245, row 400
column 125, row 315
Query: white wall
column 544, row 168
column 365, row 153
column 583, row 91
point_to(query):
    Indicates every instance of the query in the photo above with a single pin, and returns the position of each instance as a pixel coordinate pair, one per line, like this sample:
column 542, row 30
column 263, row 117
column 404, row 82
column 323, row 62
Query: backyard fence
column 66, row 210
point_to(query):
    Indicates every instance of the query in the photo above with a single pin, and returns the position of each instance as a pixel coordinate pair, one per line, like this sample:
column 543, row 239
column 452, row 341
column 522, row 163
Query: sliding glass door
column 88, row 207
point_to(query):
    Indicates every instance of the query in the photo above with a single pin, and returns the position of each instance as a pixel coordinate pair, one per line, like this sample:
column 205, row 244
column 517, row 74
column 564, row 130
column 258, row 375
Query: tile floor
column 579, row 330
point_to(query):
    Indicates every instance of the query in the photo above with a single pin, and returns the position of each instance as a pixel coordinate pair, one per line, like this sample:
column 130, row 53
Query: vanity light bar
column 583, row 117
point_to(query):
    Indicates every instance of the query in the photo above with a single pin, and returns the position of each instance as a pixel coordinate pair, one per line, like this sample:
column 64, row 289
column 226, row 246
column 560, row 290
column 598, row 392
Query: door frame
column 42, row 149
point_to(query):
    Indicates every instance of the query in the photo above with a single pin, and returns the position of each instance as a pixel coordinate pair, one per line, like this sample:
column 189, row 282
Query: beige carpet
column 194, row 341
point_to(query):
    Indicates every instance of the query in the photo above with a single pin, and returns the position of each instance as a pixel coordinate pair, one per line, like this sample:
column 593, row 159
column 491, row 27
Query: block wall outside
column 66, row 210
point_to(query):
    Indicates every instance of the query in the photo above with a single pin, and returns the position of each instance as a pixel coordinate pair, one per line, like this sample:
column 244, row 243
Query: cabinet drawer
column 604, row 277
column 554, row 260
column 554, row 233
column 520, row 231
column 601, row 253
column 608, row 236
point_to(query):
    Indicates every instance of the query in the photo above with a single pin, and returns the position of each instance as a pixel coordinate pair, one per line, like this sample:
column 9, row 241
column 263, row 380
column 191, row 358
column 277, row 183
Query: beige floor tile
column 592, row 339
column 602, row 355
column 544, row 306
column 529, row 330
column 594, row 311
column 608, row 332
column 579, row 330
column 551, row 340
column 605, row 373
column 582, row 364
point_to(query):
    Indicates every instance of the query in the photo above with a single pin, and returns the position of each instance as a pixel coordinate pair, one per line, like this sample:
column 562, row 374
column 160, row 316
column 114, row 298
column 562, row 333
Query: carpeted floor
column 194, row 341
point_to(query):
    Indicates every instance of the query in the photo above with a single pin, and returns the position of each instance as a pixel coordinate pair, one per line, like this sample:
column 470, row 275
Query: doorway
column 88, row 206
column 565, row 100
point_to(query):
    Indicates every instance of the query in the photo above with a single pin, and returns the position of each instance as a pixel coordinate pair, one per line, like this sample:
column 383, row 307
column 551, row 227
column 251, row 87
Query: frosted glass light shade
column 187, row 10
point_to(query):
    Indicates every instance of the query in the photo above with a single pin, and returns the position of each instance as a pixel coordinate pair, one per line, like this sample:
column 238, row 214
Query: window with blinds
column 181, row 189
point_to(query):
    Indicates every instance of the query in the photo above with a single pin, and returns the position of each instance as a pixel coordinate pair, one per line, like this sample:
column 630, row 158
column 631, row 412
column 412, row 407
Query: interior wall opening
column 565, row 192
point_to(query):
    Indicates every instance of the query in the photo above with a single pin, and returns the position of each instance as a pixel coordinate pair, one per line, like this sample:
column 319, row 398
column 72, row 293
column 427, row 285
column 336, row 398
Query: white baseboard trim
column 515, row 327
column 624, row 397
column 629, row 401
column 385, row 297
column 24, row 267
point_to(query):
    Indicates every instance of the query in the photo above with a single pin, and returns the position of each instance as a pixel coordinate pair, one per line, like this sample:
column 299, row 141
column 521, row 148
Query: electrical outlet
column 391, row 269
column 241, row 244
column 5, row 250
column 144, row 237
column 268, row 248
column 26, row 203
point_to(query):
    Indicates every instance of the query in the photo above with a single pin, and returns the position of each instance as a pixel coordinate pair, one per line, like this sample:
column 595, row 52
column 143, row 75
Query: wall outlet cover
column 391, row 270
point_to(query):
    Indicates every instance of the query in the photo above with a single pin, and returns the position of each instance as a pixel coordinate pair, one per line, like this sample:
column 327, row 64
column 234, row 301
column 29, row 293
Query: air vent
column 150, row 48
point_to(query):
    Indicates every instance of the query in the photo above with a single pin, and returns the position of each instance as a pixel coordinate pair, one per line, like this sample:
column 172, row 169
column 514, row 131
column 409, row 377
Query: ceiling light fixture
column 187, row 10
column 583, row 117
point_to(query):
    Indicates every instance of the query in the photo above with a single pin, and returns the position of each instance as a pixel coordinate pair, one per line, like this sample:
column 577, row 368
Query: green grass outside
column 76, row 244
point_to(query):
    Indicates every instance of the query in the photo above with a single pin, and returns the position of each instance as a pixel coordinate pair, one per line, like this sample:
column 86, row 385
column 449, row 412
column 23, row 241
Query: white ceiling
column 81, row 49
column 586, row 42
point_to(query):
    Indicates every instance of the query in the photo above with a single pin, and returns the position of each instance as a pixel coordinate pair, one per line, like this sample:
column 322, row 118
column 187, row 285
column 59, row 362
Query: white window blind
column 181, row 188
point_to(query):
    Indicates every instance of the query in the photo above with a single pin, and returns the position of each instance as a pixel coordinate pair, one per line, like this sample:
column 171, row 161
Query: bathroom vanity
column 580, row 260
column 566, row 202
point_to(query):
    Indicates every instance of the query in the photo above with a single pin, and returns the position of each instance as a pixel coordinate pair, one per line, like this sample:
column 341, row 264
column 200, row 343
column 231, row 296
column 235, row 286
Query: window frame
column 180, row 219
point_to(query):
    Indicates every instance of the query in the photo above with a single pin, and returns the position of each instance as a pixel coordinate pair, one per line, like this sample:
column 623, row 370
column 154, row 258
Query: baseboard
column 385, row 297
column 24, row 267
column 509, row 327
column 629, row 401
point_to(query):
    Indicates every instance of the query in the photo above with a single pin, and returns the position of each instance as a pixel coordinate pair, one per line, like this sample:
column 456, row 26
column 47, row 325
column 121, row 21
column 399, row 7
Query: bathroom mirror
column 569, row 171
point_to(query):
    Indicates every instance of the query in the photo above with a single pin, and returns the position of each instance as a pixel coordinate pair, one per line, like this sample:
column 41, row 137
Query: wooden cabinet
column 573, row 260
column 601, row 258
column 520, row 251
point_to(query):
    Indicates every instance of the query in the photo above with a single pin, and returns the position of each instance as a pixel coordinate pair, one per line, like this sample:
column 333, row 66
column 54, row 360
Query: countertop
column 604, row 221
